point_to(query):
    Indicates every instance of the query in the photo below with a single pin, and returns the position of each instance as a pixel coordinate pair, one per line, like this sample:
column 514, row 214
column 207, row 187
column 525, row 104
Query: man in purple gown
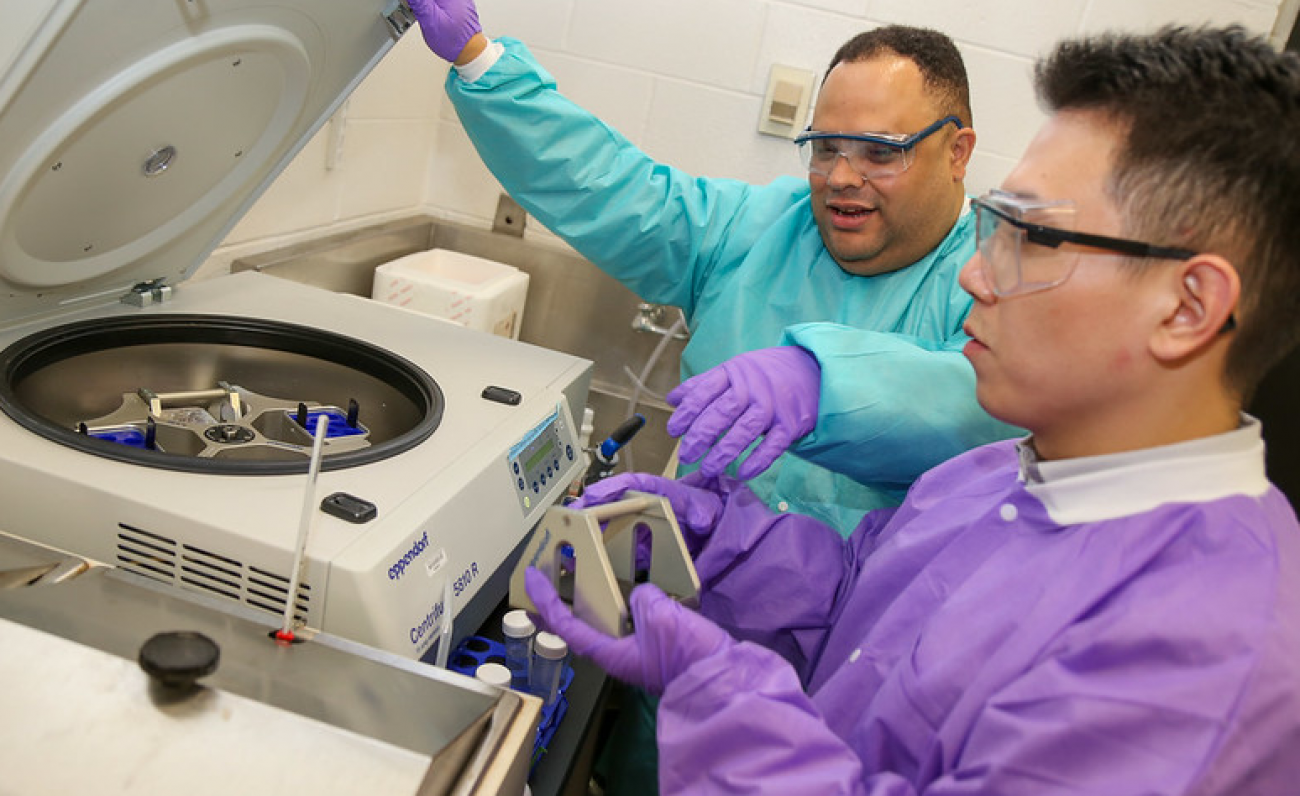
column 1108, row 606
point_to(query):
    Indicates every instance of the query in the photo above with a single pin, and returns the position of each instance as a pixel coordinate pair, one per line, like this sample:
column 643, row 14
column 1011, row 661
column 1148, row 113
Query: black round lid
column 178, row 658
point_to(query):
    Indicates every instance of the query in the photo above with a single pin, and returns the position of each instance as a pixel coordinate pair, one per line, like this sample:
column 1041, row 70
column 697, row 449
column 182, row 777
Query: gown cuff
column 482, row 62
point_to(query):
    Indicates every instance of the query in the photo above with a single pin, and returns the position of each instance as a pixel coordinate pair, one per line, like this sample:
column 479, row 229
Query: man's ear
column 1203, row 293
column 963, row 145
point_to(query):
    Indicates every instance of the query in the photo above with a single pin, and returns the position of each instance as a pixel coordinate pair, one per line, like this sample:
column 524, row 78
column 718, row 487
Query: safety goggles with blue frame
column 871, row 155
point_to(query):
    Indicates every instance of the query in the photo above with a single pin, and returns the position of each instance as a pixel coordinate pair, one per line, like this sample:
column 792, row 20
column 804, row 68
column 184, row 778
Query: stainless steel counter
column 324, row 716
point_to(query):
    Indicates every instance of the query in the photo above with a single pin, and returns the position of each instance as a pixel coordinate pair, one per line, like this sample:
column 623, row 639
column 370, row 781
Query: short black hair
column 1209, row 160
column 934, row 54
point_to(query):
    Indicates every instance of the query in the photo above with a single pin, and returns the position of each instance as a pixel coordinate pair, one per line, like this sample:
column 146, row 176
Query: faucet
column 650, row 318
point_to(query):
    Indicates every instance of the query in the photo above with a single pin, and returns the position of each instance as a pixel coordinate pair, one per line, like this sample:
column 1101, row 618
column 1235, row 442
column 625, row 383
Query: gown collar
column 1096, row 488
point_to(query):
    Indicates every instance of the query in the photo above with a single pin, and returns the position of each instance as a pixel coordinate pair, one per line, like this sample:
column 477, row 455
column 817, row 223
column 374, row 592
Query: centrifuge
column 166, row 427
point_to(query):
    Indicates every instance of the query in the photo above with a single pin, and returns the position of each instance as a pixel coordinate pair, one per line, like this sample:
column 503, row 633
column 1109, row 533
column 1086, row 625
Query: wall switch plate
column 510, row 217
column 785, row 106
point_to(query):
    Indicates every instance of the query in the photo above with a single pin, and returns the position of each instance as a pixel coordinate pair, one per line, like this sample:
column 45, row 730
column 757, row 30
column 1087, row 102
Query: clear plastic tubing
column 549, row 652
column 517, row 632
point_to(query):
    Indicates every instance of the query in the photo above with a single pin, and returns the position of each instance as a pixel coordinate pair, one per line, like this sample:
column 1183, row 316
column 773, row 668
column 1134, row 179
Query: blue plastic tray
column 475, row 651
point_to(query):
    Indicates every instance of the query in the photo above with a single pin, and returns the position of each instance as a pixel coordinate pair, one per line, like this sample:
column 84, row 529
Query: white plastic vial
column 493, row 674
column 549, row 652
column 517, row 630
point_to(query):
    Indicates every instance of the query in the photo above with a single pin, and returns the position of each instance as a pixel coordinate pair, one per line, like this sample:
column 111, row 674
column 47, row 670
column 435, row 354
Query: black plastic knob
column 178, row 658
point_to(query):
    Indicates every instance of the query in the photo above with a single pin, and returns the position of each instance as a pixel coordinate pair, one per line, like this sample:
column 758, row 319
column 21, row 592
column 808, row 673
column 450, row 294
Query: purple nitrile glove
column 696, row 509
column 770, row 393
column 668, row 637
column 447, row 25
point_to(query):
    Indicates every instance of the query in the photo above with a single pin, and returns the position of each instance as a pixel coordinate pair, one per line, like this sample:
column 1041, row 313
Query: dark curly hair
column 933, row 53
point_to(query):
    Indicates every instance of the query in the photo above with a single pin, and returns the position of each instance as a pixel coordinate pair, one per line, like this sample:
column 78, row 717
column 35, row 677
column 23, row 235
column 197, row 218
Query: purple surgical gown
column 968, row 643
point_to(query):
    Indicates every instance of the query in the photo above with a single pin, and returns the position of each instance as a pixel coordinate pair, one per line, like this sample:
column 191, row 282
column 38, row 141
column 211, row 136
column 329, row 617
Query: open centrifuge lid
column 135, row 133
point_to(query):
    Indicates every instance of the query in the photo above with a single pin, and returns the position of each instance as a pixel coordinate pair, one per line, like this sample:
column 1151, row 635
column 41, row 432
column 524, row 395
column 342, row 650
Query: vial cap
column 549, row 645
column 516, row 624
column 493, row 674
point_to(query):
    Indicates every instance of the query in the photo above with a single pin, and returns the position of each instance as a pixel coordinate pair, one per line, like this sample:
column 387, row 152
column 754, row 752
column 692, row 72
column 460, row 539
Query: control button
column 349, row 507
column 502, row 395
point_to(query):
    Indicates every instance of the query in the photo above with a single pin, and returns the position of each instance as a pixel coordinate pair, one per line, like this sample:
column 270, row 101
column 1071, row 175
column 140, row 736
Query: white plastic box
column 471, row 291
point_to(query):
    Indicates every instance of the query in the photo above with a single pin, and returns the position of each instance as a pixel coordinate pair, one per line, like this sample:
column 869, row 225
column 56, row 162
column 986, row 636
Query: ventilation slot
column 268, row 592
column 204, row 571
column 146, row 554
column 194, row 569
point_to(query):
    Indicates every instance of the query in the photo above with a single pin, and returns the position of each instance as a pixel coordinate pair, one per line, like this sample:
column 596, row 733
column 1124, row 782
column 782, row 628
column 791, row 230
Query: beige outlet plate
column 785, row 106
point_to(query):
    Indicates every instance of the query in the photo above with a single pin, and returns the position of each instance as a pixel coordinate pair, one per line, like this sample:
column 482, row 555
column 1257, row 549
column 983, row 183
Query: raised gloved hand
column 668, row 637
column 447, row 25
column 770, row 393
column 696, row 509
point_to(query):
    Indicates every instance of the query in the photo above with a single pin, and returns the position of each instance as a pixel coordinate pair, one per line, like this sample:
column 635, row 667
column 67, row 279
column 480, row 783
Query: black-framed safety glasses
column 1019, row 240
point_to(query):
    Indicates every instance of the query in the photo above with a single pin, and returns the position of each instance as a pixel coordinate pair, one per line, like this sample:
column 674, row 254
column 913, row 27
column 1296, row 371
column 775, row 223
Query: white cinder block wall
column 684, row 80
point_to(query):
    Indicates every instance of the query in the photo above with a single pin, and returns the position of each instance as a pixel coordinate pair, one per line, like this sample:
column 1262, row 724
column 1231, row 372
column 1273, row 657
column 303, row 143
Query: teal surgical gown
column 745, row 262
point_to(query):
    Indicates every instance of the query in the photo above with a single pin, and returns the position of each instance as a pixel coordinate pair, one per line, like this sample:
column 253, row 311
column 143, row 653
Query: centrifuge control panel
column 545, row 456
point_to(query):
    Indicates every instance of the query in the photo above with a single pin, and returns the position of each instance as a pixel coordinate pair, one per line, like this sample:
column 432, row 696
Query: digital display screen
column 540, row 454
